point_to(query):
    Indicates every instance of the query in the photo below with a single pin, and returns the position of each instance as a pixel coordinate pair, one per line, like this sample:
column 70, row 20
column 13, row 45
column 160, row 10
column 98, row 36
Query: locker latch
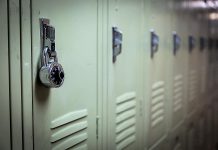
column 191, row 41
column 176, row 42
column 154, row 43
column 202, row 43
column 51, row 72
column 117, row 42
column 210, row 43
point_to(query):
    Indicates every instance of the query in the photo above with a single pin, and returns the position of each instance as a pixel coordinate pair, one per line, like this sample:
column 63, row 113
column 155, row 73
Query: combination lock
column 51, row 72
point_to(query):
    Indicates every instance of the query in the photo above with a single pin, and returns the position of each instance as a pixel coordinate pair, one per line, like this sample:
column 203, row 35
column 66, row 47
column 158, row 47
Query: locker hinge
column 97, row 128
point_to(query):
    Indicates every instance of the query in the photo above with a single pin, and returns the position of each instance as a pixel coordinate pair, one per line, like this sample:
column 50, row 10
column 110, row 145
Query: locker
column 157, row 18
column 123, row 117
column 65, row 117
column 5, row 142
column 193, row 76
column 134, row 75
column 179, row 65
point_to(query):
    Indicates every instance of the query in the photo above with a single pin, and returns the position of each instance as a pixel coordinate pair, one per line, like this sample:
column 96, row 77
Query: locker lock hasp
column 51, row 72
column 202, row 43
column 176, row 42
column 154, row 43
column 191, row 43
column 117, row 42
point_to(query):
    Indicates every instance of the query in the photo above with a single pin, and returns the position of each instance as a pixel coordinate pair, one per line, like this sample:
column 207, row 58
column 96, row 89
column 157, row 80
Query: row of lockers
column 138, row 74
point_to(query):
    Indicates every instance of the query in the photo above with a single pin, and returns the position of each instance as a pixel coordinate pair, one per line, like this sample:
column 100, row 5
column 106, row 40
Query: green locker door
column 157, row 18
column 193, row 66
column 180, row 64
column 203, row 68
column 4, row 79
column 65, row 117
column 123, row 100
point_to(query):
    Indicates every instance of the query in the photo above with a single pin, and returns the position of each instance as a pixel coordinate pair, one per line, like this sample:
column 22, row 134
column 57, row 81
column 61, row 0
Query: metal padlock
column 51, row 72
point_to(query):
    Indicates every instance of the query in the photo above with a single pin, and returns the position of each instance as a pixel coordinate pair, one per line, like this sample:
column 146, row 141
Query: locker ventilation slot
column 178, row 93
column 70, row 131
column 157, row 103
column 193, row 85
column 125, row 120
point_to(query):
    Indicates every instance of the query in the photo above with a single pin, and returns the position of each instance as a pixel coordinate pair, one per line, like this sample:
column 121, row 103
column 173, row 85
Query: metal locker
column 157, row 22
column 193, row 74
column 202, row 55
column 5, row 142
column 65, row 117
column 123, row 119
column 179, row 64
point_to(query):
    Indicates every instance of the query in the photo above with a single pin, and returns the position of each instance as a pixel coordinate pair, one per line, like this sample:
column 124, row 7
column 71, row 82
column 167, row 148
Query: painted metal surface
column 5, row 140
column 66, row 117
column 135, row 102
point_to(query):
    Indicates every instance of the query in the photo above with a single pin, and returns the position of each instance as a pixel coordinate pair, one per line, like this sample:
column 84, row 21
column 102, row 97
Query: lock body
column 51, row 73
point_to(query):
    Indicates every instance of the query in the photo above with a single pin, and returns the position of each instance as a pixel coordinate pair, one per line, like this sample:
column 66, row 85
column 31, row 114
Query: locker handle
column 154, row 43
column 117, row 42
column 191, row 41
column 176, row 42
column 202, row 43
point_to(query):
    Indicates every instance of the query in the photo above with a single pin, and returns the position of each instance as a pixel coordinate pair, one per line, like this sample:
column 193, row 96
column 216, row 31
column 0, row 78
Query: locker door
column 204, row 57
column 65, row 117
column 4, row 79
column 123, row 79
column 193, row 62
column 179, row 63
column 157, row 18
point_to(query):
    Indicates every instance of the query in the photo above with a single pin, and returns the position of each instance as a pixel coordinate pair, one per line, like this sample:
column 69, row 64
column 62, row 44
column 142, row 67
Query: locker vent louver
column 157, row 103
column 178, row 93
column 193, row 85
column 70, row 131
column 125, row 120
